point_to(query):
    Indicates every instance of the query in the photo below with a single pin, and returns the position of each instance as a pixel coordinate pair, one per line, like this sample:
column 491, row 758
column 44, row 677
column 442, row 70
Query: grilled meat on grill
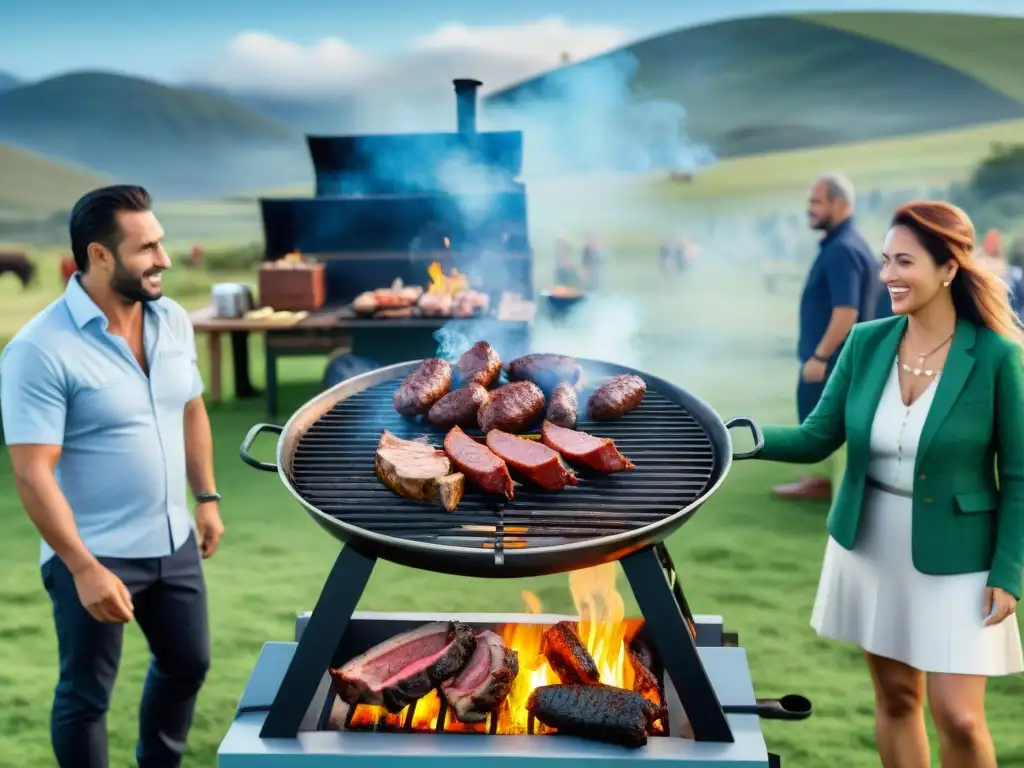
column 644, row 680
column 423, row 387
column 598, row 712
column 545, row 370
column 512, row 408
column 616, row 397
column 478, row 463
column 567, row 655
column 407, row 667
column 598, row 453
column 458, row 407
column 563, row 406
column 533, row 460
column 481, row 363
column 420, row 475
column 484, row 682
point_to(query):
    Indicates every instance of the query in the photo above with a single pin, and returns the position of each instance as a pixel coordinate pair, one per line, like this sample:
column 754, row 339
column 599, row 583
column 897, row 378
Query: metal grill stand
column 651, row 576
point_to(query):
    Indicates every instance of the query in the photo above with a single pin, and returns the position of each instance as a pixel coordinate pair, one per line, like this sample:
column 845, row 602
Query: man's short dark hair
column 94, row 218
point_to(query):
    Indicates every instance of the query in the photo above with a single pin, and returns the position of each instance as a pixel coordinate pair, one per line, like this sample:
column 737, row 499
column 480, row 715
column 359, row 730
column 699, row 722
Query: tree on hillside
column 994, row 194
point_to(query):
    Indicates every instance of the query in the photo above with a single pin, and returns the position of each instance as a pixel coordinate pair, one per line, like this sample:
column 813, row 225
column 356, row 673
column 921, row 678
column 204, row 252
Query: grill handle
column 243, row 450
column 743, row 421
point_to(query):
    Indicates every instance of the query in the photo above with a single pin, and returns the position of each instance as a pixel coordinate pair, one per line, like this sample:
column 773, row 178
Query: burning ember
column 450, row 284
column 602, row 629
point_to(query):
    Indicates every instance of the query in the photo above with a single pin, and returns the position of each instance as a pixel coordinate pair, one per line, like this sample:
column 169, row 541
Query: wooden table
column 323, row 325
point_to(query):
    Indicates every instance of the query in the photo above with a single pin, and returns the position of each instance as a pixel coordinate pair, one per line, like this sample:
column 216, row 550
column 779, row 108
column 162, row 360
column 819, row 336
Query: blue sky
column 39, row 38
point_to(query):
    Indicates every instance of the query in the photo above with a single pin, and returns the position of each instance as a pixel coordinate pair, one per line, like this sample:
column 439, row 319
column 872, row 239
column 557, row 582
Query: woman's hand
column 999, row 605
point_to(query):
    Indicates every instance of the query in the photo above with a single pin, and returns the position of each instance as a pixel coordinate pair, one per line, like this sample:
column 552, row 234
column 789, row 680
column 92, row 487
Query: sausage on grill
column 562, row 407
column 545, row 370
column 423, row 387
column 567, row 655
column 616, row 397
column 459, row 406
column 512, row 408
column 598, row 712
column 481, row 364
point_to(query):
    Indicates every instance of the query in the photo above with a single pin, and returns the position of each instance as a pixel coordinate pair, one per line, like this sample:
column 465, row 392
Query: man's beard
column 130, row 287
column 822, row 225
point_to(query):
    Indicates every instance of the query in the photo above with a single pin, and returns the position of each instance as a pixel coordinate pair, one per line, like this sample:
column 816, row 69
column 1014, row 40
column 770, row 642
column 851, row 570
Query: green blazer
column 963, row 520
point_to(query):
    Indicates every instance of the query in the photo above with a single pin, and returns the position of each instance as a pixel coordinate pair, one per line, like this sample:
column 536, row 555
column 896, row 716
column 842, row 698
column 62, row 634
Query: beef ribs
column 423, row 387
column 616, row 397
column 532, row 460
column 545, row 370
column 481, row 364
column 459, row 407
column 563, row 406
column 478, row 463
column 484, row 682
column 567, row 655
column 598, row 712
column 511, row 408
column 597, row 453
column 406, row 667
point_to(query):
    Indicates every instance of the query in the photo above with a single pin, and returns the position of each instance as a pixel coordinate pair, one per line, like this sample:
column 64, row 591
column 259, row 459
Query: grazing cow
column 19, row 264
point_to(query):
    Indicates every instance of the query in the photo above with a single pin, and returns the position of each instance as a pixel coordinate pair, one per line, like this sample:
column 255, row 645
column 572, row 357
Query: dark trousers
column 808, row 395
column 169, row 594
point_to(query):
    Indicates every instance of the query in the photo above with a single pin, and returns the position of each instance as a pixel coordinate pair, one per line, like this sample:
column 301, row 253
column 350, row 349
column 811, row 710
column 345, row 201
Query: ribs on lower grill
column 484, row 682
column 598, row 712
column 406, row 667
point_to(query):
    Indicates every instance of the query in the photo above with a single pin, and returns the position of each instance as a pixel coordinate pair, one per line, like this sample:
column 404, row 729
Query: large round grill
column 679, row 445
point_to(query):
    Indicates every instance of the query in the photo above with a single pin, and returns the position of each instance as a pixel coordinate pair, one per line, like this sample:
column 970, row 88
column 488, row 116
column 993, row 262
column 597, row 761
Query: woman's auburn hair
column 947, row 233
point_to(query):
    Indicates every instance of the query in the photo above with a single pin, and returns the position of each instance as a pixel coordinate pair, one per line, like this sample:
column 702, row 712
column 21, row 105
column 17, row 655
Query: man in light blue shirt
column 103, row 412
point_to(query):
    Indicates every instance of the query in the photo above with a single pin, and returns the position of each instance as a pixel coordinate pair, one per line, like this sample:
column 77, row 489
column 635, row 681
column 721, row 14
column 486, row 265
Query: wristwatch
column 206, row 498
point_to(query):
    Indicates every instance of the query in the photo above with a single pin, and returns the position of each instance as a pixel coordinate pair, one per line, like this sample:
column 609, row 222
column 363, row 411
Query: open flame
column 451, row 284
column 603, row 629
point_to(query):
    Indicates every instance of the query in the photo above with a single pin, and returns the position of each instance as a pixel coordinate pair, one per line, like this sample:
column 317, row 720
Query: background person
column 923, row 564
column 840, row 290
column 104, row 415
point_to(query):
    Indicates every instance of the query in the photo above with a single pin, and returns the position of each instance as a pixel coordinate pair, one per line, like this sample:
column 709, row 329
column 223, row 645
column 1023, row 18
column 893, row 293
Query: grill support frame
column 651, row 575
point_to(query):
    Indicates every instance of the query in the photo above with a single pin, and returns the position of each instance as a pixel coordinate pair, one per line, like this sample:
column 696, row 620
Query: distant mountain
column 35, row 186
column 769, row 84
column 8, row 81
column 178, row 142
column 302, row 114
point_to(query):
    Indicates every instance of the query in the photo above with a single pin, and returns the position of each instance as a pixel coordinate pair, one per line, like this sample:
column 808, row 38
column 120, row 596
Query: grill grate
column 333, row 471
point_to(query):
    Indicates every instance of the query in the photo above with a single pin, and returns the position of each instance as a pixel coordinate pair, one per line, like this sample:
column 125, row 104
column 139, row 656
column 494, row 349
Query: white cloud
column 498, row 56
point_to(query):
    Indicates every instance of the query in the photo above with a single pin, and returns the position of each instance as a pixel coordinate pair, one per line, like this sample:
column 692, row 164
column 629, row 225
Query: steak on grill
column 545, row 370
column 406, row 667
column 481, row 364
column 484, row 682
column 478, row 463
column 416, row 470
column 512, row 408
column 598, row 453
column 598, row 712
column 567, row 655
column 616, row 397
column 533, row 460
column 563, row 406
column 458, row 407
column 423, row 387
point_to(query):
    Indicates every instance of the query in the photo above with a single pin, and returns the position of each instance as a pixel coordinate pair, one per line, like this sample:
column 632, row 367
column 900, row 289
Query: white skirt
column 874, row 597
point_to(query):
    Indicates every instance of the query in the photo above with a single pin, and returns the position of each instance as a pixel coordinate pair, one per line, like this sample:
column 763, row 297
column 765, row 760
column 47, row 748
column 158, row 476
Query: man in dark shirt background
column 842, row 289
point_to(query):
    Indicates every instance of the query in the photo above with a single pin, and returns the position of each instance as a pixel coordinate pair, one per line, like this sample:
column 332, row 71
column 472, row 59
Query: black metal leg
column 271, row 359
column 319, row 643
column 667, row 626
column 240, row 358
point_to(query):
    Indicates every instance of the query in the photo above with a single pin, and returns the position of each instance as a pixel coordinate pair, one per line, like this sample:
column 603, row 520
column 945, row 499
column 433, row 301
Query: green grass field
column 34, row 185
column 746, row 556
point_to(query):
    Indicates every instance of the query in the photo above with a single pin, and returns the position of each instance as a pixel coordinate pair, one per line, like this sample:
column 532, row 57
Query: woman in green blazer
column 923, row 565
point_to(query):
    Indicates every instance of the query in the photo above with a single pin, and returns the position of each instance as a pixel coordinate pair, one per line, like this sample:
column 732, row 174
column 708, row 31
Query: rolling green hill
column 988, row 48
column 177, row 141
column 35, row 186
column 769, row 84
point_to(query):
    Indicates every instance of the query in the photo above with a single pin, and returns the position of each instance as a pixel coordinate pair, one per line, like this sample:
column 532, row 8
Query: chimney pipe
column 465, row 101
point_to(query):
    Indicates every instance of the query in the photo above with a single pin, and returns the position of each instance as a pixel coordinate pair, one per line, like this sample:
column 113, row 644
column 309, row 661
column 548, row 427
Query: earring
column 946, row 284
